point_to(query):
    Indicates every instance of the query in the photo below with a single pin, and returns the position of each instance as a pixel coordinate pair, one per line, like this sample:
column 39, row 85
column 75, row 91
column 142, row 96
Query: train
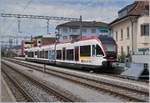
column 90, row 52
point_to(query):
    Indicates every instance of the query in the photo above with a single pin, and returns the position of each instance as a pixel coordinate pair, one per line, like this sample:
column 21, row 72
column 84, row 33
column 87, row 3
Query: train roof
column 101, row 38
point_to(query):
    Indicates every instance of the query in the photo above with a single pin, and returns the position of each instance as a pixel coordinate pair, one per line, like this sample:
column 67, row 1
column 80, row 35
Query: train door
column 76, row 53
column 51, row 55
column 64, row 53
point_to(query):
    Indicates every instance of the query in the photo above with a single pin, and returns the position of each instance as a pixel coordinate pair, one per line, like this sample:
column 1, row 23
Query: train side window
column 38, row 54
column 70, row 54
column 32, row 54
column 25, row 52
column 35, row 52
column 43, row 54
column 76, row 50
column 64, row 53
column 58, row 54
column 98, row 50
column 93, row 50
column 46, row 54
column 28, row 54
column 85, row 50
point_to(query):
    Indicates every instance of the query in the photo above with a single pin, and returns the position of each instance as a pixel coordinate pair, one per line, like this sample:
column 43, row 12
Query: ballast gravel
column 81, row 91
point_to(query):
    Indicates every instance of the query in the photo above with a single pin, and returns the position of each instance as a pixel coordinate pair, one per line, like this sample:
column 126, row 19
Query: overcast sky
column 99, row 10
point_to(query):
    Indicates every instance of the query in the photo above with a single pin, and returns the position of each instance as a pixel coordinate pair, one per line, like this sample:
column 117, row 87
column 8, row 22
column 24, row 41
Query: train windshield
column 110, row 47
column 108, row 43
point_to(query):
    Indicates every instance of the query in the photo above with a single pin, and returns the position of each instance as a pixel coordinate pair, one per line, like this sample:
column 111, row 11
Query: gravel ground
column 109, row 79
column 18, row 96
column 39, row 94
column 85, row 93
column 133, row 83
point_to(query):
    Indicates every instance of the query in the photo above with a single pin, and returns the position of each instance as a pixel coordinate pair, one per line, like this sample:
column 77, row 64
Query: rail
column 63, row 96
column 125, row 92
column 27, row 96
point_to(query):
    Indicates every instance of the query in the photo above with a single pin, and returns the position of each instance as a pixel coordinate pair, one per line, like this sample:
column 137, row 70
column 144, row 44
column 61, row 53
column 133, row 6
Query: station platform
column 6, row 94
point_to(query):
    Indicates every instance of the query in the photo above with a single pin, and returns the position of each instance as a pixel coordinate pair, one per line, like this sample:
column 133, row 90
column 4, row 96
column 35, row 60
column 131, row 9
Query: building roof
column 135, row 9
column 128, row 7
column 84, row 24
column 44, row 36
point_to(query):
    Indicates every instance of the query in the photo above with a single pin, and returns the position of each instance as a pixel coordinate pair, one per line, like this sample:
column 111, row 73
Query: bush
column 122, row 57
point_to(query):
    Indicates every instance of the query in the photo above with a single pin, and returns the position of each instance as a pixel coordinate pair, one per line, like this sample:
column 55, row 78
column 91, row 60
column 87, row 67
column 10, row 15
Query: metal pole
column 56, row 34
column 80, row 27
column 132, row 20
column 47, row 26
column 19, row 24
column 44, row 67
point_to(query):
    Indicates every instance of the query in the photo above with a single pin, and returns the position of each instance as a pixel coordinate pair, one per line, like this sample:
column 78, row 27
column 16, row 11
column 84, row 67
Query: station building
column 131, row 28
column 71, row 30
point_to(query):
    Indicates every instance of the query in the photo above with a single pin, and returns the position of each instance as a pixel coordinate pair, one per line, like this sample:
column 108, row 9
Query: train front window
column 108, row 43
column 110, row 47
column 98, row 50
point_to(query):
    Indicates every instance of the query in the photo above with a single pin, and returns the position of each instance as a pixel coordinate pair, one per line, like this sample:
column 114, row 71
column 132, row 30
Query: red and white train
column 93, row 52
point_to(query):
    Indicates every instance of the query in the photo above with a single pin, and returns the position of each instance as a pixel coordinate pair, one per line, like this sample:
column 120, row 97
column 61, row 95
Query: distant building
column 43, row 40
column 25, row 45
column 131, row 28
column 15, row 51
column 71, row 30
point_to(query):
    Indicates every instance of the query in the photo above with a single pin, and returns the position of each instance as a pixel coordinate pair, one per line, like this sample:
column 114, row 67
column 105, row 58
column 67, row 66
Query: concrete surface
column 6, row 94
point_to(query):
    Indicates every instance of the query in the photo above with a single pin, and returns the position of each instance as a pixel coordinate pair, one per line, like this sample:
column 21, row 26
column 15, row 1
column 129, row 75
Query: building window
column 65, row 30
column 74, row 30
column 116, row 36
column 69, row 29
column 147, row 7
column 128, row 33
column 128, row 50
column 74, row 37
column 39, row 42
column 84, row 30
column 144, row 29
column 64, row 37
column 121, row 34
column 85, row 50
column 93, row 30
column 121, row 50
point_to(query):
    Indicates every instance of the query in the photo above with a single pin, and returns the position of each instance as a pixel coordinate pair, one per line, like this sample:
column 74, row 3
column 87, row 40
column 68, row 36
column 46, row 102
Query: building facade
column 43, row 40
column 71, row 30
column 131, row 28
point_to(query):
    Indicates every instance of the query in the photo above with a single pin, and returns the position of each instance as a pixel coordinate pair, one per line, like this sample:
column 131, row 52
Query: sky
column 91, row 10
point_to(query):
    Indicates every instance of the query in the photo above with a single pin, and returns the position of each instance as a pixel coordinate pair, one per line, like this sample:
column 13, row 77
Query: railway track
column 112, row 74
column 58, row 95
column 18, row 92
column 123, row 91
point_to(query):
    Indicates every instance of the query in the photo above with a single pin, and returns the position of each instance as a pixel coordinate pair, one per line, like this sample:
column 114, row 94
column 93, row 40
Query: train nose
column 105, row 63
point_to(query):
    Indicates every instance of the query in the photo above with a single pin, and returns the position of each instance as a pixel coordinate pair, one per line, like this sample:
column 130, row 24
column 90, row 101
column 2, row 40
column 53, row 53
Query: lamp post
column 80, row 27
